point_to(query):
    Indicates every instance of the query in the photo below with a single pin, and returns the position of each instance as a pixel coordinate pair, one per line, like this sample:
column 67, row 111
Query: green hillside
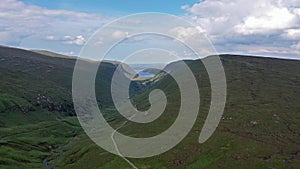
column 259, row 129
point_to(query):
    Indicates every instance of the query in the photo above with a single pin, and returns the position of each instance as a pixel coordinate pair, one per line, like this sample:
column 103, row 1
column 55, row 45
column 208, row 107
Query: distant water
column 140, row 67
column 145, row 75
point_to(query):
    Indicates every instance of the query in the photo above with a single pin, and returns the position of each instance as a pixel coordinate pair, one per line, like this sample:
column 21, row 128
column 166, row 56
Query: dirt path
column 116, row 146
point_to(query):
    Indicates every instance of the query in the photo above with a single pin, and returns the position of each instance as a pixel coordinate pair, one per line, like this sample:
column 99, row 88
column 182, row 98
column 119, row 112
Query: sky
column 264, row 27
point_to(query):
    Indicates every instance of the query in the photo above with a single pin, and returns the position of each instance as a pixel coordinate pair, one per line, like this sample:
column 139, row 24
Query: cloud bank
column 29, row 25
column 267, row 27
column 264, row 27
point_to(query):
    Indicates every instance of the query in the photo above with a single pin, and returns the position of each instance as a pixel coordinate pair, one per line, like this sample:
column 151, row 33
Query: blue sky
column 116, row 6
column 264, row 27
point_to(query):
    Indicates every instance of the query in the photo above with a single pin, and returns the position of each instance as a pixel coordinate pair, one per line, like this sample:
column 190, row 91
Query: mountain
column 259, row 129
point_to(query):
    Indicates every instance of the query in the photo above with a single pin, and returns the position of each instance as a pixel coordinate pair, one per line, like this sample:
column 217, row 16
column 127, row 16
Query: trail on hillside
column 116, row 146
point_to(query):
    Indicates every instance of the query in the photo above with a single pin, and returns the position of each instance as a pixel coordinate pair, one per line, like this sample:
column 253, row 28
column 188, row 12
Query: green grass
column 26, row 146
column 263, row 90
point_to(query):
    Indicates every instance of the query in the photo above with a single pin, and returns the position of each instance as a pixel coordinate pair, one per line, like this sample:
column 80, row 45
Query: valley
column 39, row 129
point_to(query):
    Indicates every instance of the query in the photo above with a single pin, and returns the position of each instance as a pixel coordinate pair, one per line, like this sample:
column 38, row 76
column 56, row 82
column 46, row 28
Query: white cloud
column 184, row 34
column 70, row 53
column 229, row 23
column 244, row 16
column 99, row 42
column 67, row 39
column 294, row 3
column 6, row 37
column 185, row 7
column 297, row 11
column 220, row 8
column 265, row 23
column 296, row 46
column 273, row 19
column 119, row 34
column 78, row 40
column 291, row 34
column 267, row 51
column 51, row 37
column 20, row 21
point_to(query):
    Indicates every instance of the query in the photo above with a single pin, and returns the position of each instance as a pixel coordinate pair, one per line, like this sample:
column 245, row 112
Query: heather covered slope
column 260, row 127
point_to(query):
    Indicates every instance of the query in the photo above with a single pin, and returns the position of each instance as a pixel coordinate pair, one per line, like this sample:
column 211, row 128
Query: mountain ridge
column 259, row 127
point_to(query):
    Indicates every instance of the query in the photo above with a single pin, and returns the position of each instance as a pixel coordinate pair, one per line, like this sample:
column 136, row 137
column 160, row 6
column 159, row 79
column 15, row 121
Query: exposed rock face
column 45, row 102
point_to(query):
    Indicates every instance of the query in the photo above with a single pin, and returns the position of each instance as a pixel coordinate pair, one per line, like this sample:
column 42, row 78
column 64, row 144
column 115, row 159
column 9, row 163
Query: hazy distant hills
column 38, row 129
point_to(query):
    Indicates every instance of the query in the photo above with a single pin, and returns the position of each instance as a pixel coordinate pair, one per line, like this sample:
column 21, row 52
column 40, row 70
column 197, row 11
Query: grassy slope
column 259, row 89
column 32, row 86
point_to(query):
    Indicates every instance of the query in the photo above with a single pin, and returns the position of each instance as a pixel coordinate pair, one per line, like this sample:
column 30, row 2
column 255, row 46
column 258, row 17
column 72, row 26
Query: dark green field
column 260, row 127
